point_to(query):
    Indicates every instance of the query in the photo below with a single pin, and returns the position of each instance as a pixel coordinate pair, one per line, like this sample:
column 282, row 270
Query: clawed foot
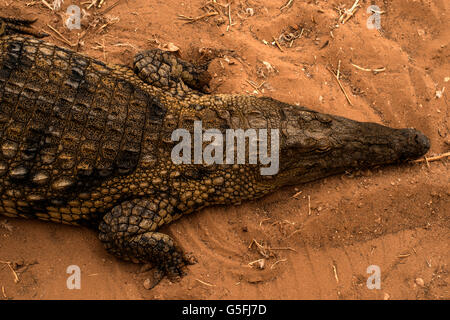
column 173, row 272
column 129, row 232
column 190, row 259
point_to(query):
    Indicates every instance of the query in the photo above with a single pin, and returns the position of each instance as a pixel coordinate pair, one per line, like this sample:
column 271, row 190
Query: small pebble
column 147, row 284
column 420, row 282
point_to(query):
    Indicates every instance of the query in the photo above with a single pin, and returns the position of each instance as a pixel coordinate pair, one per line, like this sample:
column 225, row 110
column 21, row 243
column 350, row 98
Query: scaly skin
column 88, row 143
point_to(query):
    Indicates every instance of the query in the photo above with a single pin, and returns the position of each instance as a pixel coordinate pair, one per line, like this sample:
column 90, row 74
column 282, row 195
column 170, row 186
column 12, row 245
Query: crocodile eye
column 322, row 145
column 323, row 149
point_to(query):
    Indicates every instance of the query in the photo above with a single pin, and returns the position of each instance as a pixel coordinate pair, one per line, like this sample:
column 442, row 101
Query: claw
column 173, row 274
column 190, row 259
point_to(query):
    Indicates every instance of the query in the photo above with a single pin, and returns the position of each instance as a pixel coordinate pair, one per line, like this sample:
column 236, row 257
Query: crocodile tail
column 10, row 26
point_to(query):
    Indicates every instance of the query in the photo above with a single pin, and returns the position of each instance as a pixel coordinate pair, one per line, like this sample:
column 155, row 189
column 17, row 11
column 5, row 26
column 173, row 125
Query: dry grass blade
column 375, row 71
column 264, row 220
column 297, row 194
column 349, row 13
column 205, row 283
column 309, row 205
column 195, row 19
column 256, row 86
column 92, row 4
column 335, row 273
column 110, row 21
column 287, row 248
column 126, row 45
column 98, row 3
column 340, row 85
column 229, row 16
column 47, row 5
column 111, row 7
column 278, row 261
column 260, row 263
column 278, row 45
column 261, row 249
column 287, row 5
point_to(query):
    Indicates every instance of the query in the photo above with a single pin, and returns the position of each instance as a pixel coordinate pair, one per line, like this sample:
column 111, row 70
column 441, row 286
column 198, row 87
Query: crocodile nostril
column 422, row 143
column 417, row 138
column 422, row 140
column 415, row 145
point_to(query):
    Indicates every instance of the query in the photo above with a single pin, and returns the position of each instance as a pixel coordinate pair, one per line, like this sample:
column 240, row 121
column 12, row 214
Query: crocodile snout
column 416, row 144
column 422, row 141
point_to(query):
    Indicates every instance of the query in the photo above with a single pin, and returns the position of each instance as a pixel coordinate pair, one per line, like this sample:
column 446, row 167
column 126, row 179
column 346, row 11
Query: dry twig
column 16, row 277
column 297, row 194
column 375, row 71
column 278, row 45
column 435, row 158
column 349, row 13
column 205, row 283
column 61, row 37
column 336, row 76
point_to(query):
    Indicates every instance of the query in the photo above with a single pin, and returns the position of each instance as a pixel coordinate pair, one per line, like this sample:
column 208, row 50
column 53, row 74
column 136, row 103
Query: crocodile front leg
column 165, row 70
column 129, row 232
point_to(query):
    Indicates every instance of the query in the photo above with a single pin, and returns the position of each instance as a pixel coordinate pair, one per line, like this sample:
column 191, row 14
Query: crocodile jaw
column 319, row 145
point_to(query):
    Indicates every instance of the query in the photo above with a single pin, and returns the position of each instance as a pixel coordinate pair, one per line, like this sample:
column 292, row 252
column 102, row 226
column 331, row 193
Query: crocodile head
column 315, row 145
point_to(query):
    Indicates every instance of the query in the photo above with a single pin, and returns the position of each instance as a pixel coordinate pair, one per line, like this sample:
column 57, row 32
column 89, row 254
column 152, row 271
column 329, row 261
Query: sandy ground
column 395, row 217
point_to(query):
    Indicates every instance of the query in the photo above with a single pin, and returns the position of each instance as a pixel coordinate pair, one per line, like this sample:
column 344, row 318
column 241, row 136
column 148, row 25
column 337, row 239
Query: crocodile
column 87, row 143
